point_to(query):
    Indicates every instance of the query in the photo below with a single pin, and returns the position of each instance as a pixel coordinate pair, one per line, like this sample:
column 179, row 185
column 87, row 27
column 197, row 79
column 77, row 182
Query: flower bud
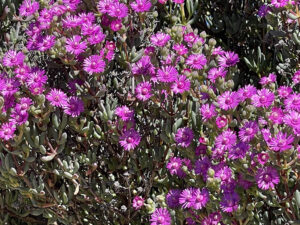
column 212, row 42
column 211, row 172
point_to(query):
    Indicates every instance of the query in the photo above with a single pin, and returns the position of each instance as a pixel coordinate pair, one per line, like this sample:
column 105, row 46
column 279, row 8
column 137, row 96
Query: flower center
column 129, row 139
column 144, row 91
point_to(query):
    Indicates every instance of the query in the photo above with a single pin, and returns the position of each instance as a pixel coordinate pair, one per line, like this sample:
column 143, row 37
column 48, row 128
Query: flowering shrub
column 110, row 116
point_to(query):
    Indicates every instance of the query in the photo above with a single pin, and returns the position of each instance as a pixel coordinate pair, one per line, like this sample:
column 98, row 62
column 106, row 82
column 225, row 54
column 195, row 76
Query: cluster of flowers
column 267, row 123
column 20, row 85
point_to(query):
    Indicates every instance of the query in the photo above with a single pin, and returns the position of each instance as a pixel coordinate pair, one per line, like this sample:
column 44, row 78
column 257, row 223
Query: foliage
column 131, row 112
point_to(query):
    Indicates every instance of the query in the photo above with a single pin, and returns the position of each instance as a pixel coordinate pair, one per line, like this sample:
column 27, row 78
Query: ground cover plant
column 149, row 112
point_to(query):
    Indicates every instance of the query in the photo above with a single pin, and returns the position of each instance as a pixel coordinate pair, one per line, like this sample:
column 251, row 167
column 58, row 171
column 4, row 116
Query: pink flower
column 116, row 25
column 138, row 202
column 284, row 91
column 226, row 139
column 180, row 49
column 57, row 97
column 124, row 113
column 276, row 115
column 281, row 142
column 167, row 74
column 267, row 178
column 296, row 77
column 130, row 139
column 207, row 111
column 94, row 64
column 263, row 158
column 143, row 91
column 269, row 79
column 28, row 8
column 46, row 43
column 215, row 73
column 96, row 37
column 160, row 39
column 141, row 5
column 73, row 107
column 279, row 3
column 75, row 46
column 196, row 61
column 263, row 98
column 118, row 10
column 13, row 58
column 228, row 59
column 184, row 137
column 7, row 131
column 292, row 102
column 221, row 121
column 228, row 100
column 181, row 84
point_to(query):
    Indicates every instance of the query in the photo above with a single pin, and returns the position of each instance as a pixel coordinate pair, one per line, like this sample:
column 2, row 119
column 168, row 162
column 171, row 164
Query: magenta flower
column 24, row 104
column 160, row 39
column 138, row 202
column 284, row 91
column 226, row 140
column 180, row 49
column 94, row 64
column 141, row 5
column 186, row 199
column 28, row 8
column 184, row 136
column 263, row 158
column 19, row 117
column 202, row 166
column 13, row 58
column 130, row 139
column 263, row 98
column 96, row 37
column 267, row 178
column 229, row 202
column 248, row 131
column 228, row 100
column 36, row 89
column 7, row 131
column 9, row 86
column 75, row 46
column 296, row 77
column 88, row 29
column 167, row 74
column 118, row 10
column 276, row 115
column 292, row 119
column 172, row 198
column 36, row 77
column 221, row 121
column 239, row 151
column 143, row 67
column 116, row 25
column 143, row 91
column 246, row 92
column 104, row 5
column 201, row 198
column 196, row 61
column 292, row 102
column 267, row 80
column 178, row 1
column 215, row 73
column 124, row 113
column 161, row 216
column 74, row 107
column 57, row 98
column 279, row 3
column 281, row 142
column 228, row 59
column 174, row 166
column 208, row 111
column 46, row 43
column 263, row 10
column 181, row 84
column 22, row 72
